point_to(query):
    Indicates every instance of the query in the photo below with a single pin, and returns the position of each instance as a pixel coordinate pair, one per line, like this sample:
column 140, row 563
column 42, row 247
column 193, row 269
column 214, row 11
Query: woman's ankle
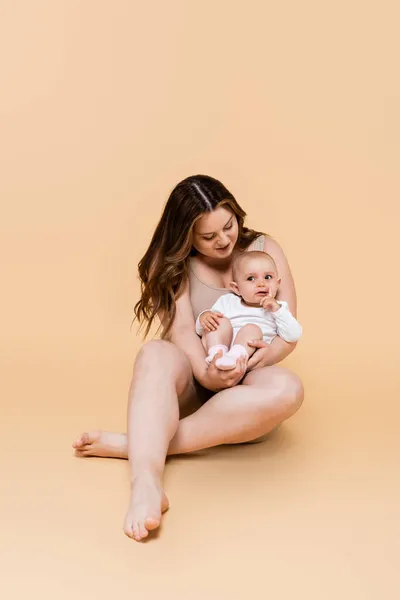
column 151, row 474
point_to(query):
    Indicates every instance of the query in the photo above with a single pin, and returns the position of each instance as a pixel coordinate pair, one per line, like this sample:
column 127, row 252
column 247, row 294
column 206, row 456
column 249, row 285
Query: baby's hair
column 241, row 259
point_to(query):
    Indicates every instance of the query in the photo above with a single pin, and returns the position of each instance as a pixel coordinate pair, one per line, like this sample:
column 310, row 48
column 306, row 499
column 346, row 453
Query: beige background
column 104, row 108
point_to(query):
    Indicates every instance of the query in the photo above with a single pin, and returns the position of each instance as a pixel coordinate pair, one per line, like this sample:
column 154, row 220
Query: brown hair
column 163, row 270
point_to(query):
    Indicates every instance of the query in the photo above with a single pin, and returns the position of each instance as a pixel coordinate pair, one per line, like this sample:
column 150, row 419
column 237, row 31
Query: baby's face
column 255, row 278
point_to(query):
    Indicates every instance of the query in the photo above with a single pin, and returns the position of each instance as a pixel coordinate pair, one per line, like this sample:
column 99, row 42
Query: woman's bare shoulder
column 272, row 247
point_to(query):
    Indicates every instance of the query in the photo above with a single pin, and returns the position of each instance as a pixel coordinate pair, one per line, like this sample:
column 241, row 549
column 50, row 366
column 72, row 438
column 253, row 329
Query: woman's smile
column 224, row 248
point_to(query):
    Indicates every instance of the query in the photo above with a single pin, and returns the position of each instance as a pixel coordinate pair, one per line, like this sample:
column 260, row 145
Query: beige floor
column 311, row 513
column 104, row 108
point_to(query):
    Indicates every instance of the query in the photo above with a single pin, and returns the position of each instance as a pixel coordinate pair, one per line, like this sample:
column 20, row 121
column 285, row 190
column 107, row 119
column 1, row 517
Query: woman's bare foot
column 102, row 443
column 148, row 502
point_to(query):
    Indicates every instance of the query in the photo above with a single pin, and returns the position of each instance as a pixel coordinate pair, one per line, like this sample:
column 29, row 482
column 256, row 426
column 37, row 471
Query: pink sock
column 238, row 350
column 229, row 359
column 214, row 350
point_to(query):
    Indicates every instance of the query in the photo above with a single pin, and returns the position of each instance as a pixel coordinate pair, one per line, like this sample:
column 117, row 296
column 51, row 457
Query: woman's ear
column 234, row 287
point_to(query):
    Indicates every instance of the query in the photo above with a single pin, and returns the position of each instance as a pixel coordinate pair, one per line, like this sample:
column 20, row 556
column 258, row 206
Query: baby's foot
column 228, row 360
column 102, row 443
column 148, row 502
column 213, row 350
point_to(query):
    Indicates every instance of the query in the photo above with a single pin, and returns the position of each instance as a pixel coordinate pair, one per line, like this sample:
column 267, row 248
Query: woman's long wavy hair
column 163, row 270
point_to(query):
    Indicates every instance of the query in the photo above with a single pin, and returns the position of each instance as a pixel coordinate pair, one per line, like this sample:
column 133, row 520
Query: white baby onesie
column 280, row 322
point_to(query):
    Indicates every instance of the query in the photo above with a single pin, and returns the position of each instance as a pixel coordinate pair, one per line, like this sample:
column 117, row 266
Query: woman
column 187, row 266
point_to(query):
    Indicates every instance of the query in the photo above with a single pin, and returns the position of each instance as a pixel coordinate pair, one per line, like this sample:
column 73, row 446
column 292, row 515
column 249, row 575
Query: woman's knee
column 165, row 357
column 161, row 348
column 291, row 391
column 286, row 386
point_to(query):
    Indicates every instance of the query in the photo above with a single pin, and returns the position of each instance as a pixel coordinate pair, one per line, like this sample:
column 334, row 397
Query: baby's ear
column 279, row 281
column 234, row 287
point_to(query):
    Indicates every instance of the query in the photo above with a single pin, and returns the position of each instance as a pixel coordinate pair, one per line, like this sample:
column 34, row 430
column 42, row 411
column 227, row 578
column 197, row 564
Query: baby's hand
column 269, row 303
column 209, row 320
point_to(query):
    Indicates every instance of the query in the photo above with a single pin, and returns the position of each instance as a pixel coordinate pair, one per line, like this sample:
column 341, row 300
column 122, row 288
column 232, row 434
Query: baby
column 250, row 313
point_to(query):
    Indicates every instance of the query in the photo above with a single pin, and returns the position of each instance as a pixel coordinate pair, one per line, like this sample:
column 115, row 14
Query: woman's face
column 215, row 234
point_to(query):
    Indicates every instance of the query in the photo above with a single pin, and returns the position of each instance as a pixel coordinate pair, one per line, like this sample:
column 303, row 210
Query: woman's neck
column 219, row 264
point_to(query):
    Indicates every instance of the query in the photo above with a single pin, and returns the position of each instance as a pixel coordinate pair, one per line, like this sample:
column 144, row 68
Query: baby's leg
column 220, row 339
column 240, row 346
column 248, row 333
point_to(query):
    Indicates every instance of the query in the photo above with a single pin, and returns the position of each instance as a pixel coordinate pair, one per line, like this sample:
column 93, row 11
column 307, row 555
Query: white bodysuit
column 280, row 322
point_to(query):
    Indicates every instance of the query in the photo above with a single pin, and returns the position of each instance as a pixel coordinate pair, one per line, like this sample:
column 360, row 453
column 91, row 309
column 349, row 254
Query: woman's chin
column 223, row 252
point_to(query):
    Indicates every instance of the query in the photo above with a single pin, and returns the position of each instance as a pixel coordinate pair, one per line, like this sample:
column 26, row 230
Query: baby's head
column 255, row 275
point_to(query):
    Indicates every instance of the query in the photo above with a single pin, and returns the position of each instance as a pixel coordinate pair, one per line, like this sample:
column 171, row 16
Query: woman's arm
column 267, row 355
column 287, row 290
column 271, row 354
column 183, row 334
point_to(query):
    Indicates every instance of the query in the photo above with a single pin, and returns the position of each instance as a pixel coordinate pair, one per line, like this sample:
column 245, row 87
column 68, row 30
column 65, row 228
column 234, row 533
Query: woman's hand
column 219, row 380
column 209, row 320
column 261, row 357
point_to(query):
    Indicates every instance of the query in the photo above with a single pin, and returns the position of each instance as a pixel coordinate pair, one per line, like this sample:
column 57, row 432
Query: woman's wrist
column 209, row 383
column 202, row 376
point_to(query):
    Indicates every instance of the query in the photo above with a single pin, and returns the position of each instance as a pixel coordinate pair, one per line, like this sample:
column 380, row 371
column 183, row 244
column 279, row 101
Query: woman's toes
column 128, row 530
column 148, row 498
column 79, row 452
column 151, row 524
column 86, row 438
column 81, row 440
column 142, row 531
column 136, row 532
column 128, row 526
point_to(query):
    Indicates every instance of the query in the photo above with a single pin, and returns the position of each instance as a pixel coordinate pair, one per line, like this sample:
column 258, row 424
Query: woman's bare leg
column 242, row 413
column 162, row 373
column 266, row 397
